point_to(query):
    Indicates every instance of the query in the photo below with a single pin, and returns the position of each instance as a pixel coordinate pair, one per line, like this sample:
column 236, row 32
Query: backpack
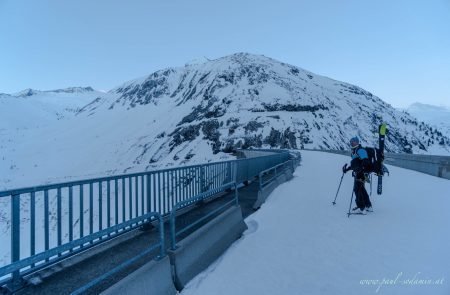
column 376, row 157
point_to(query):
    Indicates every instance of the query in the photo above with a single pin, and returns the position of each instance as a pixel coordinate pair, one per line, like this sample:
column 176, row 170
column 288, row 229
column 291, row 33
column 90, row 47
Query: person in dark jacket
column 359, row 165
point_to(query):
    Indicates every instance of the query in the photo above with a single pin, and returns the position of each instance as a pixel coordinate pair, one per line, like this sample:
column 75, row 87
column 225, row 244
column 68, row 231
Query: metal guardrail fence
column 153, row 247
column 173, row 214
column 247, row 169
column 268, row 175
column 52, row 222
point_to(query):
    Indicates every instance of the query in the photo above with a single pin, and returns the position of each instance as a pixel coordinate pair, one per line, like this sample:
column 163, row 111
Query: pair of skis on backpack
column 376, row 158
column 381, row 137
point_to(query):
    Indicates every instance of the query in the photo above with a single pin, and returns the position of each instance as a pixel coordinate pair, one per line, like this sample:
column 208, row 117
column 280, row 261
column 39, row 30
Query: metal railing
column 268, row 175
column 296, row 157
column 248, row 169
column 150, row 249
column 46, row 224
column 200, row 197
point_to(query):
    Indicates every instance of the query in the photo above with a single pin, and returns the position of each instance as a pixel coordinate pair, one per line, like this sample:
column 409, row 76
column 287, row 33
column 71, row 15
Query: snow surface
column 438, row 116
column 299, row 243
column 30, row 109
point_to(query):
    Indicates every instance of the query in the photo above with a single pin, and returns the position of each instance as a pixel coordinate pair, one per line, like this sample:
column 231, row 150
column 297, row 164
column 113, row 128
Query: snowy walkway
column 298, row 243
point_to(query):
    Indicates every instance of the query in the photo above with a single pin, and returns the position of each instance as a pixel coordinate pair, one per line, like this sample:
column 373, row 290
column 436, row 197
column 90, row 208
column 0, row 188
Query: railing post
column 236, row 194
column 202, row 179
column 161, row 235
column 172, row 228
column 260, row 180
column 15, row 238
column 148, row 194
column 58, row 217
column 229, row 174
column 234, row 176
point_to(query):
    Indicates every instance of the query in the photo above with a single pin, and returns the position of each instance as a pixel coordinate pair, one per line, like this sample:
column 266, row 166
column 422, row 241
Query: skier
column 359, row 165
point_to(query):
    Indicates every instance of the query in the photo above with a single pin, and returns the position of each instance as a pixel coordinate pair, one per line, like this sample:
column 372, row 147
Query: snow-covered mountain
column 438, row 116
column 203, row 111
column 27, row 121
column 33, row 108
column 245, row 100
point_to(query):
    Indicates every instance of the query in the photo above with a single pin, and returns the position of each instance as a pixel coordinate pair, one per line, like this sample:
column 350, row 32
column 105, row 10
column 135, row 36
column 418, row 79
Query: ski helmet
column 354, row 142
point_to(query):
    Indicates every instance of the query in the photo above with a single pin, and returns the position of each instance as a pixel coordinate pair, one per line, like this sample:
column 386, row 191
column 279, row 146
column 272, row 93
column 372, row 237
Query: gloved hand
column 345, row 169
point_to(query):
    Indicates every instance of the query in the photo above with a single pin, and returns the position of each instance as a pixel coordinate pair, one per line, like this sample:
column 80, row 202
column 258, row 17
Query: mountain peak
column 246, row 56
column 30, row 92
column 427, row 107
column 247, row 100
column 26, row 92
column 197, row 61
column 73, row 90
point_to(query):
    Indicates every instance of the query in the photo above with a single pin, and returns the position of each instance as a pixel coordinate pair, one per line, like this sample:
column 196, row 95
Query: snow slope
column 299, row 243
column 438, row 116
column 33, row 108
column 109, row 143
column 30, row 123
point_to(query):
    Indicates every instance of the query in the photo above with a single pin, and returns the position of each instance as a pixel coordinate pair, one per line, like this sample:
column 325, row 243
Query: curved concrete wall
column 253, row 153
column 264, row 192
column 197, row 251
column 434, row 165
column 153, row 278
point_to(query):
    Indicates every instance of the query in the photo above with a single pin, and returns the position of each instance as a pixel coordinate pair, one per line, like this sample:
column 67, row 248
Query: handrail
column 50, row 218
column 113, row 177
column 261, row 174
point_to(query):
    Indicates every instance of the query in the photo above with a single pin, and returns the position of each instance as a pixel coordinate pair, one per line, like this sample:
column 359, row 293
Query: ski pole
column 350, row 206
column 370, row 184
column 334, row 202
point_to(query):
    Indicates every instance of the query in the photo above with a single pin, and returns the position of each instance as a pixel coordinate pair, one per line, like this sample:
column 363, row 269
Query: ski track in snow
column 299, row 243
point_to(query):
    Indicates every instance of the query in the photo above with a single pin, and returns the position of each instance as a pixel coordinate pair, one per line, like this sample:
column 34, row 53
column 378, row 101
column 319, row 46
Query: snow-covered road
column 299, row 243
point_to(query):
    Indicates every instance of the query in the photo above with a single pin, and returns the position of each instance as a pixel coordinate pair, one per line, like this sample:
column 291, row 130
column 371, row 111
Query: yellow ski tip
column 383, row 129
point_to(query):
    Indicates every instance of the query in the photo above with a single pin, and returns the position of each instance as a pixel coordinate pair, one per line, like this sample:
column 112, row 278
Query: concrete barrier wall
column 153, row 278
column 252, row 153
column 434, row 165
column 201, row 248
column 264, row 193
column 290, row 173
column 244, row 153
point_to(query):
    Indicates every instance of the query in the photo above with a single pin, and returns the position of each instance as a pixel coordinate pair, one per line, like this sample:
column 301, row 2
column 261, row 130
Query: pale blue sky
column 397, row 49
